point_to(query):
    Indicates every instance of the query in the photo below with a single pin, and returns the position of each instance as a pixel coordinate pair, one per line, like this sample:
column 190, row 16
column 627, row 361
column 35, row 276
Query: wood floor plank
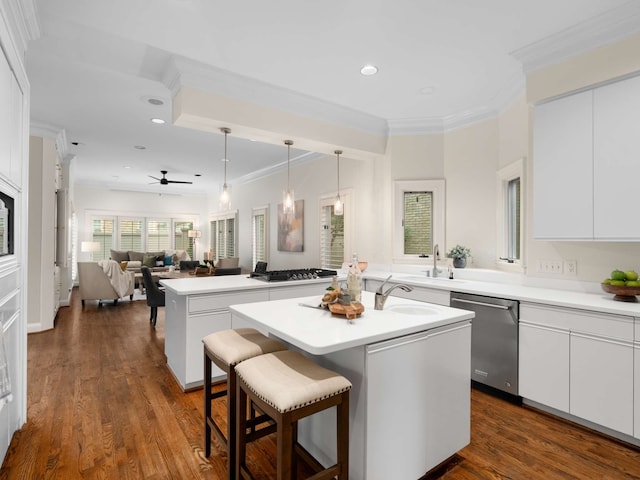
column 102, row 404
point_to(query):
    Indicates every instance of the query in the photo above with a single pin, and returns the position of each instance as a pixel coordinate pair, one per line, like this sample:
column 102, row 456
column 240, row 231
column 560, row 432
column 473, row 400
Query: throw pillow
column 123, row 265
column 168, row 260
column 149, row 261
column 227, row 262
column 159, row 260
column 119, row 256
column 136, row 256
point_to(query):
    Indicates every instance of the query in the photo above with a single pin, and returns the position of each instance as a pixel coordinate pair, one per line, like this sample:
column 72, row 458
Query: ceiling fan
column 164, row 180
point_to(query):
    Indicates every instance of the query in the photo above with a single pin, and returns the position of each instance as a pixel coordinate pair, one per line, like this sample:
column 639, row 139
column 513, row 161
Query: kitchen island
column 409, row 366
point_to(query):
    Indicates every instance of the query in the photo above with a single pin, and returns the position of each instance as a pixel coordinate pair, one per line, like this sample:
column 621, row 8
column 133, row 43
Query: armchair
column 94, row 284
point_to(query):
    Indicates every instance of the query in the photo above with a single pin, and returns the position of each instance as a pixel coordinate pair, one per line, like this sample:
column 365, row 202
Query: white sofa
column 94, row 284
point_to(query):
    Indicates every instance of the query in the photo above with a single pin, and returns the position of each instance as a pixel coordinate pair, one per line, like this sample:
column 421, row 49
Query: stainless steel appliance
column 262, row 273
column 494, row 340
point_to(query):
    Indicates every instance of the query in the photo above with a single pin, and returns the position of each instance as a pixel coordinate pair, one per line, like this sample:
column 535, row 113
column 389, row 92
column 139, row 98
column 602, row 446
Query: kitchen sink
column 411, row 309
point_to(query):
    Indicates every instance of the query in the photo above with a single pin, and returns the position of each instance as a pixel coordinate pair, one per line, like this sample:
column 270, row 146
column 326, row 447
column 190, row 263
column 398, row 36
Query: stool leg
column 343, row 436
column 207, row 405
column 232, row 413
column 285, row 447
column 240, row 445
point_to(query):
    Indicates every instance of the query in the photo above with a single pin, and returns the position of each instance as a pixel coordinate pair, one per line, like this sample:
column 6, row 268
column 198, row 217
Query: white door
column 601, row 380
column 544, row 365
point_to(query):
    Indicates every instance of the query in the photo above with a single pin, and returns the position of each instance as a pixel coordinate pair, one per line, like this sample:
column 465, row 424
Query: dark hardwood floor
column 103, row 405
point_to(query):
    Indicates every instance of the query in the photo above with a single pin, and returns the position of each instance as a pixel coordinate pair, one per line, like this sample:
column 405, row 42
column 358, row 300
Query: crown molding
column 302, row 159
column 603, row 29
column 22, row 18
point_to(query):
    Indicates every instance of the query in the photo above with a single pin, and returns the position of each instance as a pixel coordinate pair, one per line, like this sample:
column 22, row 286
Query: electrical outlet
column 549, row 266
column 570, row 267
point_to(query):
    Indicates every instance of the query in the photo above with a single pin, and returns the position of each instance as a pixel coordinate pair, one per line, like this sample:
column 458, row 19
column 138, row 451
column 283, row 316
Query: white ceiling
column 97, row 63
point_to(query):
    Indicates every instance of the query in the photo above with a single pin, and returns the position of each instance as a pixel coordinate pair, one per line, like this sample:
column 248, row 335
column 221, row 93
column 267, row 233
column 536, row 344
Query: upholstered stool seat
column 288, row 386
column 226, row 349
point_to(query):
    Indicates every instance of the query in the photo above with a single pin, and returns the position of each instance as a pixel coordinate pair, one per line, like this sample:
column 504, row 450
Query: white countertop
column 601, row 302
column 319, row 332
column 226, row 283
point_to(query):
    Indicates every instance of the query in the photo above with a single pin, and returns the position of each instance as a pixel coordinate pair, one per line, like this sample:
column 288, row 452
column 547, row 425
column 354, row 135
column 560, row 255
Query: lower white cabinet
column 581, row 363
column 544, row 365
column 601, row 381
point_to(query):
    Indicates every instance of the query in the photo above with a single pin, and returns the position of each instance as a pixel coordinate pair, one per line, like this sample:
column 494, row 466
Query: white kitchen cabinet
column 433, row 421
column 563, row 168
column 544, row 365
column 579, row 362
column 616, row 147
column 421, row 294
column 602, row 381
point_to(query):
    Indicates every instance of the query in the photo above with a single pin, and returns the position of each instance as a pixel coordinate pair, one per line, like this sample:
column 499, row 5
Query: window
column 259, row 235
column 335, row 244
column 102, row 232
column 181, row 238
column 158, row 235
column 510, row 238
column 223, row 236
column 419, row 218
column 130, row 231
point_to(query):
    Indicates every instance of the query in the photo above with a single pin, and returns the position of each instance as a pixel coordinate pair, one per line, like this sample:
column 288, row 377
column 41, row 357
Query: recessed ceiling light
column 126, row 167
column 159, row 121
column 427, row 90
column 155, row 101
column 139, row 147
column 369, row 70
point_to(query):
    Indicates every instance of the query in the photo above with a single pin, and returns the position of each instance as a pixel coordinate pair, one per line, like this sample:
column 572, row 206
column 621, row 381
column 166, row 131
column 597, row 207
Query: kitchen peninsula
column 198, row 306
column 409, row 366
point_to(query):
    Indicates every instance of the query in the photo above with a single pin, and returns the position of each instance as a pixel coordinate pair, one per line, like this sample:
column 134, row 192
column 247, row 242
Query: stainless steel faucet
column 436, row 254
column 381, row 298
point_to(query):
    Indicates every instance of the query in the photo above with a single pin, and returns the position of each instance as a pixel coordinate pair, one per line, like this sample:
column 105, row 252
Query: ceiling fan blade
column 178, row 181
column 155, row 178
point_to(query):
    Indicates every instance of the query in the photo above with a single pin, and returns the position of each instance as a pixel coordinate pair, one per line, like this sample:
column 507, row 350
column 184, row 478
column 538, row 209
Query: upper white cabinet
column 616, row 164
column 563, row 173
column 586, row 150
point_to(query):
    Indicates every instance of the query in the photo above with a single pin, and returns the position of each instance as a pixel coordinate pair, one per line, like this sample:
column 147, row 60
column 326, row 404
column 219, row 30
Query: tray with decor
column 350, row 311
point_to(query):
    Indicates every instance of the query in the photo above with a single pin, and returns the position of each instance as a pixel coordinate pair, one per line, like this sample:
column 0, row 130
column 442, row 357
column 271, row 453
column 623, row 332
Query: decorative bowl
column 363, row 266
column 622, row 293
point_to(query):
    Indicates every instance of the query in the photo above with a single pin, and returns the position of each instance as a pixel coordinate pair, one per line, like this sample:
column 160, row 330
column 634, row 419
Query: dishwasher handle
column 483, row 304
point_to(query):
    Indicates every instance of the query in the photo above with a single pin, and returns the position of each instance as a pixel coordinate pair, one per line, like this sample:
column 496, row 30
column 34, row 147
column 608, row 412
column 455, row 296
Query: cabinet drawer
column 222, row 301
column 580, row 321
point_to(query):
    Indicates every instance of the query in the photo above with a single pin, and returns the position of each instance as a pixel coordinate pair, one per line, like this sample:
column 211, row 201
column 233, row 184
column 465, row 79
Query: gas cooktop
column 294, row 274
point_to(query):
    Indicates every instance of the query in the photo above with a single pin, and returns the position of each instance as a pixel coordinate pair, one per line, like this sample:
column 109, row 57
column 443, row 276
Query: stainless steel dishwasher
column 494, row 340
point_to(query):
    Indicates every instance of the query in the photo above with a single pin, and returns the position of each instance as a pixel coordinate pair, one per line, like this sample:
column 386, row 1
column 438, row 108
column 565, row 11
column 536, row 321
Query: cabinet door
column 417, row 391
column 602, row 382
column 544, row 365
column 563, row 168
column 616, row 144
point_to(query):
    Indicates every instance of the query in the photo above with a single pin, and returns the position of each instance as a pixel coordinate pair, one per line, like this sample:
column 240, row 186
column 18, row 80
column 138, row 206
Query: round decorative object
column 622, row 293
column 460, row 262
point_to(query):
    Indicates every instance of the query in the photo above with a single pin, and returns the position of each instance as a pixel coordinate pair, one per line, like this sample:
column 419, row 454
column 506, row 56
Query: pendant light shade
column 225, row 191
column 288, row 198
column 338, row 206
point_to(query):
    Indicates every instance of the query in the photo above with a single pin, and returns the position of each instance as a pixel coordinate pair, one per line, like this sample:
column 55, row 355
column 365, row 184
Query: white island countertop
column 319, row 332
column 228, row 283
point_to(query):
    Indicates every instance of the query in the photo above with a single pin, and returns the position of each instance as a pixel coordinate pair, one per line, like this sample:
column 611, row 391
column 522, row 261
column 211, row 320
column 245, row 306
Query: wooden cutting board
column 350, row 311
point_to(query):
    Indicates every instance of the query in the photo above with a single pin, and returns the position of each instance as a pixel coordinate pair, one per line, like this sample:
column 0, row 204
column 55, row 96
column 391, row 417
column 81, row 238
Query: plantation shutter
column 158, row 235
column 131, row 234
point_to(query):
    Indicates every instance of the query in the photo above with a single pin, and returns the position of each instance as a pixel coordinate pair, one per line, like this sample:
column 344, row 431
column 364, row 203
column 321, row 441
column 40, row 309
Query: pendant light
column 338, row 206
column 225, row 194
column 288, row 199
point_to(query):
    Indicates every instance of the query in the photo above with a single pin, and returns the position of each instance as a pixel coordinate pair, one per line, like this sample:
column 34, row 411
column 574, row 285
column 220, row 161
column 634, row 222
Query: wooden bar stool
column 226, row 349
column 287, row 386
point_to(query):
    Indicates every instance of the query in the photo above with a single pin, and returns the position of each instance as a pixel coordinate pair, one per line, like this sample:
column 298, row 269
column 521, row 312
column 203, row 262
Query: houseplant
column 459, row 253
